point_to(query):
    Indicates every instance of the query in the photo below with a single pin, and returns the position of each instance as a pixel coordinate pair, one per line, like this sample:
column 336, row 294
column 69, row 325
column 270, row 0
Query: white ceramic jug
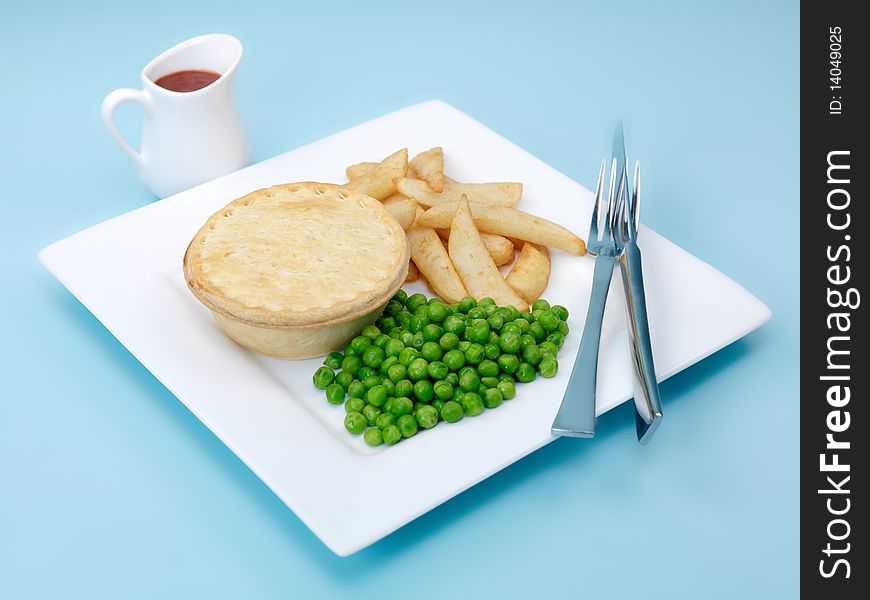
column 188, row 137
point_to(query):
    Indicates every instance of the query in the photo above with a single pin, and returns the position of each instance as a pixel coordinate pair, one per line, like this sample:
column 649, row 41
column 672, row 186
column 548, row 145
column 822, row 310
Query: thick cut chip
column 474, row 264
column 495, row 194
column 531, row 272
column 429, row 166
column 378, row 183
column 500, row 248
column 359, row 169
column 510, row 223
column 413, row 272
column 428, row 253
column 403, row 209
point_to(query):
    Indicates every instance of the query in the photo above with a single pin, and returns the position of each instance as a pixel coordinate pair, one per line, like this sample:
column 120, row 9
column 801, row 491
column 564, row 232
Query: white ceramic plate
column 127, row 271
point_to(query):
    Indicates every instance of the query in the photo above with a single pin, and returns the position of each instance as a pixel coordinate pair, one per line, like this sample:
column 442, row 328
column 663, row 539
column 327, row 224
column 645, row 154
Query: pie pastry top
column 297, row 254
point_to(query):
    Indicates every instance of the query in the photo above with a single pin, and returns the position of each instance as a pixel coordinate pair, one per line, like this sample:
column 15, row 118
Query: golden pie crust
column 296, row 269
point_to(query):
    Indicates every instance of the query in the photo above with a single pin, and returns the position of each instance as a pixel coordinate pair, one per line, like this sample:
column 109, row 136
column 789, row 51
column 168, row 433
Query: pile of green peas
column 424, row 361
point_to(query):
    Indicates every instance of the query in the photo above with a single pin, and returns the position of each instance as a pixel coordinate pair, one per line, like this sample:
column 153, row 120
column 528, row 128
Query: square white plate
column 127, row 271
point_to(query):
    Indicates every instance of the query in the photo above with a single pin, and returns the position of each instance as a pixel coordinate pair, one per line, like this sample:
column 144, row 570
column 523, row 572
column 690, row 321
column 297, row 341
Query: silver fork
column 576, row 416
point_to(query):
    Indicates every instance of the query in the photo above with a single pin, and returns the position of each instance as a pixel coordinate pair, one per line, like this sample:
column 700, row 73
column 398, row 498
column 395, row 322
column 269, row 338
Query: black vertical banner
column 834, row 351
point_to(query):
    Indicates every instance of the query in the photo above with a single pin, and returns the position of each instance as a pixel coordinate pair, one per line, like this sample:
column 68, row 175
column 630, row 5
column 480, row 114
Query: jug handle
column 110, row 104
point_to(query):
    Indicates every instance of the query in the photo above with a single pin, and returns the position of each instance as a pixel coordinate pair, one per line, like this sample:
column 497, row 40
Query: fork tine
column 593, row 223
column 620, row 212
column 608, row 216
column 635, row 208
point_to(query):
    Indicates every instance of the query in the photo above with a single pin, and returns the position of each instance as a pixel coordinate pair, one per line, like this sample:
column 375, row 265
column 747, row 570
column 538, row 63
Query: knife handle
column 576, row 416
column 648, row 407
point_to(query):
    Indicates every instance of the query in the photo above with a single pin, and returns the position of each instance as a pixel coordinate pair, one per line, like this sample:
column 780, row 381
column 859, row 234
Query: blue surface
column 111, row 488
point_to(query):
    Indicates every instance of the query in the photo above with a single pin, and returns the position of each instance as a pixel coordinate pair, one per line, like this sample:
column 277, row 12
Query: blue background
column 111, row 488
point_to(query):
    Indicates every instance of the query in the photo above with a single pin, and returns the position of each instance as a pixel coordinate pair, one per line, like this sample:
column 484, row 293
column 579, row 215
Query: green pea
column 467, row 369
column 366, row 372
column 454, row 359
column 527, row 339
column 463, row 346
column 508, row 363
column 489, row 310
column 334, row 393
column 449, row 341
column 385, row 420
column 418, row 369
column 402, row 406
column 478, row 333
column 436, row 312
column 548, row 320
column 355, row 405
column 323, row 377
column 381, row 341
column 548, row 346
column 418, row 341
column 510, row 342
column 423, row 391
column 356, row 389
column 395, row 334
column 491, row 350
column 469, row 381
column 388, row 405
column 443, row 390
column 415, row 324
column 417, row 406
column 431, row 351
column 538, row 332
column 487, row 368
column 388, row 362
column 540, row 304
column 403, row 318
column 401, row 296
column 451, row 412
column 403, row 388
column 397, row 373
column 437, row 404
column 477, row 313
column 489, row 382
column 548, row 367
column 556, row 338
column 532, row 355
column 427, row 417
column 472, row 404
column 360, row 343
column 371, row 381
column 386, row 324
column 393, row 308
column 496, row 321
column 560, row 311
column 437, row 370
column 432, row 333
column 389, row 386
column 373, row 437
column 371, row 332
column 452, row 378
column 333, row 360
column 407, row 355
column 394, row 347
column 377, row 396
column 486, row 301
column 371, row 413
column 407, row 338
column 526, row 373
column 523, row 324
column 507, row 377
column 474, row 354
column 457, row 394
column 454, row 324
column 355, row 423
column 492, row 398
column 507, row 388
column 352, row 364
column 344, row 379
column 407, row 425
column 415, row 301
column 511, row 328
column 562, row 328
column 392, row 435
column 466, row 304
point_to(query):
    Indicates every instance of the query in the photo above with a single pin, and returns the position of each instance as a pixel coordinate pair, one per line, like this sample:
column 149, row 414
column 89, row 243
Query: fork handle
column 576, row 416
column 648, row 406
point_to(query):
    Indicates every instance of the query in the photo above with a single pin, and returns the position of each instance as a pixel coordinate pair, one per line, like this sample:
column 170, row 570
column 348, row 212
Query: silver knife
column 647, row 403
